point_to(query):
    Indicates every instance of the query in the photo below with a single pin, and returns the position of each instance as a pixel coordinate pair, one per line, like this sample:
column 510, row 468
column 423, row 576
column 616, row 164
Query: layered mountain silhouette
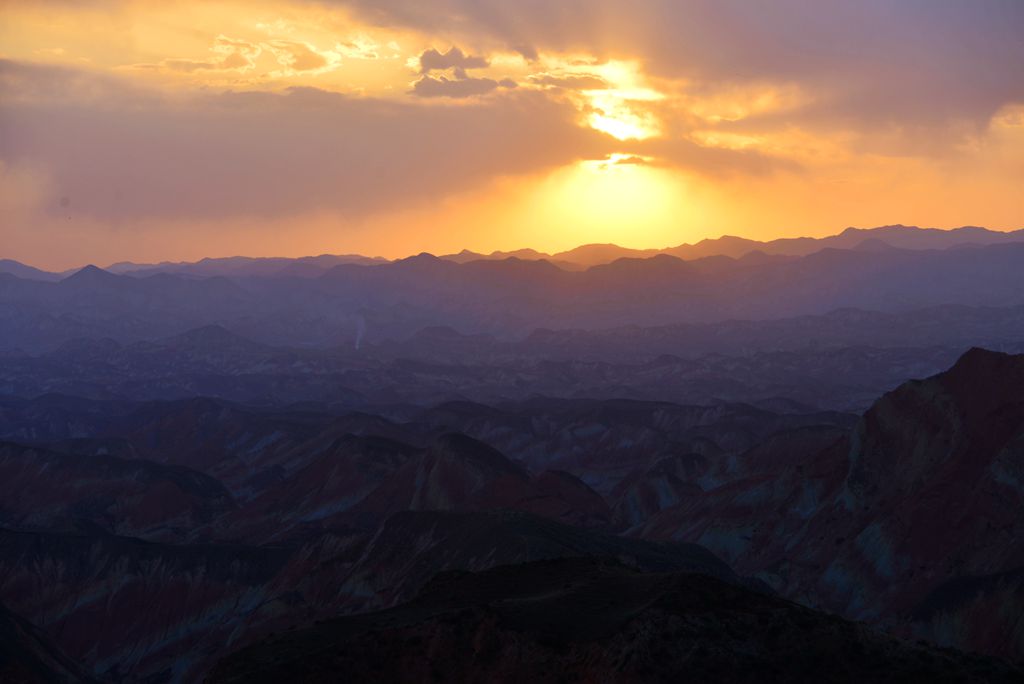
column 800, row 460
column 584, row 256
column 899, row 236
column 358, row 304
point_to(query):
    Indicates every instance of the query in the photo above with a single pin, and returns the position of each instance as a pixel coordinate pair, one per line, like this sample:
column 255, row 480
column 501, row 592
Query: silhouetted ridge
column 91, row 275
column 581, row 619
column 20, row 270
column 982, row 367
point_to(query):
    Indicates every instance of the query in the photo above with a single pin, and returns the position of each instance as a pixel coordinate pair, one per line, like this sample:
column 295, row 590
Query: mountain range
column 353, row 304
column 899, row 236
column 802, row 462
column 578, row 258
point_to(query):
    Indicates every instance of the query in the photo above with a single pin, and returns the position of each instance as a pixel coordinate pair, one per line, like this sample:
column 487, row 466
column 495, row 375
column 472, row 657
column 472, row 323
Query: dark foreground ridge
column 591, row 619
column 28, row 657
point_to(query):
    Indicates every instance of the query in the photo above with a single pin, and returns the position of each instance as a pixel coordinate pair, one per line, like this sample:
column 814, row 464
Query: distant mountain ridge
column 20, row 270
column 896, row 236
column 355, row 304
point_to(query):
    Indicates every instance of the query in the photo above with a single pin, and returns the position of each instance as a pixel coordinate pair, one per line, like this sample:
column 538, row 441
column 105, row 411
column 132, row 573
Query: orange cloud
column 232, row 55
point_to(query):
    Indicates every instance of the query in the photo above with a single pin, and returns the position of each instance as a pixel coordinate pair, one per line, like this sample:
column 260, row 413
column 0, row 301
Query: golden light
column 621, row 108
column 619, row 111
column 618, row 117
column 621, row 199
column 733, row 103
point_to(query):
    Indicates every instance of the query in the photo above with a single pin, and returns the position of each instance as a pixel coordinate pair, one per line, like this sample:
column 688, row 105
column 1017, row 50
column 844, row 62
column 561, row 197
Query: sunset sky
column 174, row 130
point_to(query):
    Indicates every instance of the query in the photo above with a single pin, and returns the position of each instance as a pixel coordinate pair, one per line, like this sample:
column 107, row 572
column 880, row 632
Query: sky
column 175, row 130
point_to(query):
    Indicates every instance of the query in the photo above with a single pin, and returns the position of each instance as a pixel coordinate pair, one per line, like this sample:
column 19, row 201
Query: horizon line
column 510, row 253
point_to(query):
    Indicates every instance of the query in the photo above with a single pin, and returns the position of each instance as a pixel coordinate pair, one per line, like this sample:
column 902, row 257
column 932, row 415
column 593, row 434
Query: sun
column 623, row 199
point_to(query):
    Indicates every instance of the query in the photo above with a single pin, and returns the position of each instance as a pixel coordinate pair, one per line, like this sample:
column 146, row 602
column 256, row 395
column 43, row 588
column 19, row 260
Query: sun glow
column 620, row 199
column 620, row 113
column 621, row 106
column 622, row 123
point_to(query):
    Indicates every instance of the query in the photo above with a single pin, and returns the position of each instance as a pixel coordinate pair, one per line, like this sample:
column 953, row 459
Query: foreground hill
column 585, row 619
column 28, row 657
column 134, row 610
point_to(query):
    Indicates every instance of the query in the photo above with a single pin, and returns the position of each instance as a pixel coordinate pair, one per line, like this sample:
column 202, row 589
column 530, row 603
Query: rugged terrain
column 228, row 523
column 196, row 457
column 593, row 620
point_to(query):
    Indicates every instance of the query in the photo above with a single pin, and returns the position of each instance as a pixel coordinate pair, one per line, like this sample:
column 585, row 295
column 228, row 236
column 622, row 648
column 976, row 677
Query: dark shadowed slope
column 411, row 547
column 595, row 620
column 128, row 608
column 28, row 657
column 133, row 609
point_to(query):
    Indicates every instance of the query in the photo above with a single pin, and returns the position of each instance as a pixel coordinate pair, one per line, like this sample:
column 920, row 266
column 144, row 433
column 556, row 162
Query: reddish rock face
column 928, row 489
column 128, row 606
column 45, row 489
column 561, row 496
column 450, row 475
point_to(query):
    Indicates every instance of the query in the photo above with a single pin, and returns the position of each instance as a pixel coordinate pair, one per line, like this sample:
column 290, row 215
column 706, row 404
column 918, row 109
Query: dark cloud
column 461, row 84
column 464, row 86
column 528, row 52
column 125, row 155
column 432, row 60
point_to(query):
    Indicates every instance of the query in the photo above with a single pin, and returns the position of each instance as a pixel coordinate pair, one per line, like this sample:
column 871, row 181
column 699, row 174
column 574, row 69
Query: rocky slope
column 594, row 620
column 47, row 489
column 134, row 610
column 911, row 522
column 136, row 533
